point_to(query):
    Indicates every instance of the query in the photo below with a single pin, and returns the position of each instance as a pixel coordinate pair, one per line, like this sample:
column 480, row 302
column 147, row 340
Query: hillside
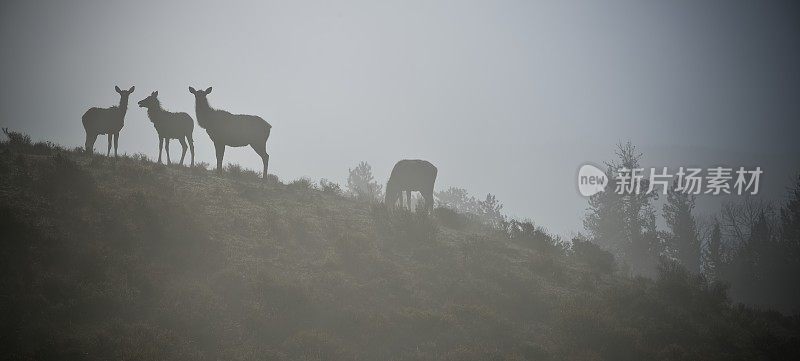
column 107, row 258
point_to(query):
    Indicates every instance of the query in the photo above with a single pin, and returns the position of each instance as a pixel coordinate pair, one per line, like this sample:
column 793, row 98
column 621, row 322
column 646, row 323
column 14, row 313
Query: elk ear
column 191, row 90
column 131, row 89
column 117, row 89
column 155, row 93
column 208, row 91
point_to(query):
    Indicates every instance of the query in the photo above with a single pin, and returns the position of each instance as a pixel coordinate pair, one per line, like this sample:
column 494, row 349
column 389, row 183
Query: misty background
column 507, row 97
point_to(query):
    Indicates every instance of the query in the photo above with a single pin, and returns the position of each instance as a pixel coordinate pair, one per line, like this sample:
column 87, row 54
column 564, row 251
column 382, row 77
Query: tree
column 624, row 220
column 790, row 222
column 749, row 275
column 737, row 219
column 713, row 261
column 490, row 208
column 362, row 184
column 458, row 199
column 683, row 240
column 764, row 257
column 789, row 248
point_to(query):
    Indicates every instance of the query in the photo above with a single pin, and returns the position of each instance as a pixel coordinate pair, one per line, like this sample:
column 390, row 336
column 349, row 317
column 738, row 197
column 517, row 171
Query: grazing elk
column 169, row 125
column 109, row 121
column 233, row 130
column 411, row 175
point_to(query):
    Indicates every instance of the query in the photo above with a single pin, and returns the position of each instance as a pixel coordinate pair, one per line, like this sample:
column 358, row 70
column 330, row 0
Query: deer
column 409, row 175
column 232, row 130
column 169, row 126
column 109, row 121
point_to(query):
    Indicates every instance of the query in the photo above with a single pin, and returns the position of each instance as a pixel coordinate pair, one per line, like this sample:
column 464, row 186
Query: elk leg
column 166, row 148
column 220, row 148
column 428, row 195
column 110, row 135
column 183, row 146
column 90, row 139
column 261, row 150
column 116, row 143
column 391, row 202
column 191, row 147
column 160, row 148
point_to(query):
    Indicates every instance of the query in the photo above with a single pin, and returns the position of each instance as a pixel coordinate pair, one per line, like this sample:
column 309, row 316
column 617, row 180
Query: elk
column 233, row 130
column 410, row 175
column 109, row 121
column 169, row 125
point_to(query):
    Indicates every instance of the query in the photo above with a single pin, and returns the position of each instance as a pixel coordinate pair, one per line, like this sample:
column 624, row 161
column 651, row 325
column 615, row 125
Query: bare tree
column 738, row 218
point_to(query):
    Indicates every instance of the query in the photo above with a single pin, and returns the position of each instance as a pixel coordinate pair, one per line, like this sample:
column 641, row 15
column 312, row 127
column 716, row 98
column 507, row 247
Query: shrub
column 526, row 233
column 200, row 168
column 235, row 170
column 301, row 184
column 451, row 218
column 598, row 260
column 272, row 179
column 457, row 199
column 66, row 179
column 330, row 187
column 17, row 139
column 140, row 157
column 47, row 147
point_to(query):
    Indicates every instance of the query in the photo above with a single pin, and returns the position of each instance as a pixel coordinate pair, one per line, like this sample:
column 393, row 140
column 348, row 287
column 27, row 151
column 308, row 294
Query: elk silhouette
column 410, row 175
column 233, row 130
column 169, row 125
column 109, row 121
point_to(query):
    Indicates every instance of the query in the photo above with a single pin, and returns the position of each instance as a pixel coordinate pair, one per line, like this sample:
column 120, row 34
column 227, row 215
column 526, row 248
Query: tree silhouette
column 362, row 184
column 683, row 239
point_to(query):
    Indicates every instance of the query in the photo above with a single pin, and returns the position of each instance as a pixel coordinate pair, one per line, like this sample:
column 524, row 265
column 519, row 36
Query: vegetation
column 123, row 258
column 362, row 185
column 624, row 221
column 751, row 247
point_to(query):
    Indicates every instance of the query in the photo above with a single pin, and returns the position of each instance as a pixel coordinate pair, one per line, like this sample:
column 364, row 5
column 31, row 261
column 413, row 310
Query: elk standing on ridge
column 233, row 130
column 109, row 121
column 411, row 175
column 169, row 125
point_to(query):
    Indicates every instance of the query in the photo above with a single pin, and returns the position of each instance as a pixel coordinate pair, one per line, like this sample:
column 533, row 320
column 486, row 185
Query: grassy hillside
column 107, row 258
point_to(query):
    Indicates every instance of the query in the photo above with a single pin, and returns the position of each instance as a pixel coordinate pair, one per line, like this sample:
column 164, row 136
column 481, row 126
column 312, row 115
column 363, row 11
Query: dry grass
column 108, row 258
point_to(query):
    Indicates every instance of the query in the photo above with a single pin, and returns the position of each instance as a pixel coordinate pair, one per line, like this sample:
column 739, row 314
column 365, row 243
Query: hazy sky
column 508, row 97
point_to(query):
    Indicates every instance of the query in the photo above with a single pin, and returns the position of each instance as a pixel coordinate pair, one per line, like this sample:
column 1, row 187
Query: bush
column 65, row 179
column 200, row 168
column 236, row 171
column 301, row 184
column 451, row 218
column 598, row 260
column 457, row 199
column 140, row 157
column 526, row 233
column 272, row 179
column 17, row 139
column 46, row 148
column 330, row 187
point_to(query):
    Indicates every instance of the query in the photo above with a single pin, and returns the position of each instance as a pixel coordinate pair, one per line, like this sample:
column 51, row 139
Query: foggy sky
column 507, row 97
